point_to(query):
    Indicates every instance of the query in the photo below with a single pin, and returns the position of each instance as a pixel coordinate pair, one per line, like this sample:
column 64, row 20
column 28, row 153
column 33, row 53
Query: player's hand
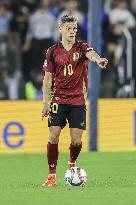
column 45, row 110
column 102, row 63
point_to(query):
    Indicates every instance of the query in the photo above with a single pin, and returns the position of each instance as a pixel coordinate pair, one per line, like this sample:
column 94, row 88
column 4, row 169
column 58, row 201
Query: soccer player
column 66, row 78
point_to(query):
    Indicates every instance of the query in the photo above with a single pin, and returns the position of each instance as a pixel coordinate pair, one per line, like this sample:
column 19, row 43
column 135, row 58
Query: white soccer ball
column 75, row 176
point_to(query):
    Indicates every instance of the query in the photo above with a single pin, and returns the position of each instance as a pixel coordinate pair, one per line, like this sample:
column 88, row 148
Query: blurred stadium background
column 27, row 29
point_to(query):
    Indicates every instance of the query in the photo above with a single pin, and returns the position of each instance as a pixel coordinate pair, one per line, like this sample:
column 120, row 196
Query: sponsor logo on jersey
column 75, row 56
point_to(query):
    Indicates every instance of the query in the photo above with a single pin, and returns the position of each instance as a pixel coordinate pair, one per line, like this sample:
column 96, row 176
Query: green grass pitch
column 111, row 180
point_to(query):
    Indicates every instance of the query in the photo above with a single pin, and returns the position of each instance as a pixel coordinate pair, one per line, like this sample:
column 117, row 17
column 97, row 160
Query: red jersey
column 70, row 72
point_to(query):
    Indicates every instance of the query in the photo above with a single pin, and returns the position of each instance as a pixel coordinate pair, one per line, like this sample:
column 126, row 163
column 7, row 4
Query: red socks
column 52, row 155
column 74, row 152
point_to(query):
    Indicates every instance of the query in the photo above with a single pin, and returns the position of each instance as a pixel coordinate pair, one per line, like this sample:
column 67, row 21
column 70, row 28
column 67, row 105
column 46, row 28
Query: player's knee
column 54, row 138
column 76, row 142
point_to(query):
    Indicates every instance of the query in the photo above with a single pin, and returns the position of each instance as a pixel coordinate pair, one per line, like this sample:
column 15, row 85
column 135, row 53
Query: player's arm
column 93, row 56
column 47, row 84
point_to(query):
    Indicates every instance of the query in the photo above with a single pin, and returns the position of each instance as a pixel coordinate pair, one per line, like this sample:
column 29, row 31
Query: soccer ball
column 75, row 176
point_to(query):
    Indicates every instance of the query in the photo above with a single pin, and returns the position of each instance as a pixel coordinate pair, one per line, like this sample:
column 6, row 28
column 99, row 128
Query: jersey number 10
column 68, row 70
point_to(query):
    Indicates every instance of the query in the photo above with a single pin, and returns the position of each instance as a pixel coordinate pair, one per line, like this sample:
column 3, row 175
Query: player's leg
column 75, row 146
column 77, row 123
column 52, row 154
column 56, row 121
column 52, row 148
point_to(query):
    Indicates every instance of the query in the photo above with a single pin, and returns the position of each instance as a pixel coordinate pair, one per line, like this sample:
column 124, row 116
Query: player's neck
column 67, row 44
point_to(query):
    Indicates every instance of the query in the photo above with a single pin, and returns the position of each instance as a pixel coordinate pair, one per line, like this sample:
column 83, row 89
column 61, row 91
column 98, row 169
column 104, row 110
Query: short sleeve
column 48, row 65
column 86, row 48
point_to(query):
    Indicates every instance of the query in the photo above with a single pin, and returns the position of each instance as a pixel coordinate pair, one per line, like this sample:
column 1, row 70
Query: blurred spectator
column 5, row 18
column 105, row 28
column 118, row 81
column 19, row 22
column 3, row 86
column 121, row 14
column 33, row 87
column 133, row 34
column 109, row 76
column 133, row 8
column 54, row 7
column 40, row 35
column 10, row 62
column 71, row 7
column 124, row 61
column 129, row 61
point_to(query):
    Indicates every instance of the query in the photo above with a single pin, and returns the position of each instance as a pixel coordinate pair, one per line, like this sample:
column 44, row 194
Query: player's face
column 68, row 31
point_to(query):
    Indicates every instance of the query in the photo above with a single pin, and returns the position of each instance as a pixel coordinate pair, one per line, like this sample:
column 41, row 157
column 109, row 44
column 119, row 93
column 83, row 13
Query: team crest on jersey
column 75, row 56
